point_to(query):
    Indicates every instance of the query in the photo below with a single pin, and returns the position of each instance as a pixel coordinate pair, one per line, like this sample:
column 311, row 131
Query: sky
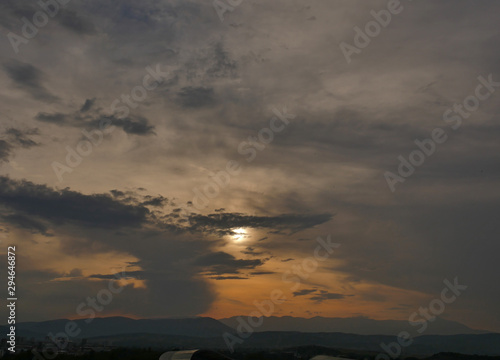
column 201, row 150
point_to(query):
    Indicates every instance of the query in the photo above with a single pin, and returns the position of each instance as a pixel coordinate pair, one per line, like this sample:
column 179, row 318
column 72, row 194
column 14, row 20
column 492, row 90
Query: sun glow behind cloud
column 239, row 234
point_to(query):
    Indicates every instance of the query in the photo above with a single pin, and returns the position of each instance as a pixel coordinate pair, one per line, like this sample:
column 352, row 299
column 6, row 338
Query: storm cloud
column 28, row 78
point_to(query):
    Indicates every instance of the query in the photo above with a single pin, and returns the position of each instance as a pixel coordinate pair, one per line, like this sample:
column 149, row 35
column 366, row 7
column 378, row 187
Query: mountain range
column 355, row 325
column 208, row 327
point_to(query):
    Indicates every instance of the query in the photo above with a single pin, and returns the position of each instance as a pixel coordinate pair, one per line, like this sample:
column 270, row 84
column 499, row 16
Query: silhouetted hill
column 306, row 353
column 455, row 356
column 484, row 344
column 355, row 325
column 198, row 327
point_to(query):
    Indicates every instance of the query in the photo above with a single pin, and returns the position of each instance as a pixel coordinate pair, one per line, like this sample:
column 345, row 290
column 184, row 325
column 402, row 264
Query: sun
column 238, row 234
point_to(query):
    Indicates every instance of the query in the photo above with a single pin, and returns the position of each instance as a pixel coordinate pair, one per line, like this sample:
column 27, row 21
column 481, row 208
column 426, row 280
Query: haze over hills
column 355, row 325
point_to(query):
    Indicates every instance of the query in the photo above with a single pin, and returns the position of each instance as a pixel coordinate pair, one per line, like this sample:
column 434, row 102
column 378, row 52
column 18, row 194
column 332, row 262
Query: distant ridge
column 355, row 325
column 208, row 327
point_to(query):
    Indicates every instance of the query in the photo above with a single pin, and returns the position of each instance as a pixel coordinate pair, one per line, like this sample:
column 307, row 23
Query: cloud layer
column 130, row 201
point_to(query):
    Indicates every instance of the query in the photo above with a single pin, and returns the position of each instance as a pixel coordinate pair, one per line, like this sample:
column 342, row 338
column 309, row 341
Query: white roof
column 326, row 357
column 178, row 355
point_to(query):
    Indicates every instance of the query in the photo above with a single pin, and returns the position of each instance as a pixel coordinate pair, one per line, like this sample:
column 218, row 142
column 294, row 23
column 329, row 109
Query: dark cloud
column 87, row 105
column 136, row 126
column 79, row 221
column 228, row 278
column 75, row 22
column 221, row 65
column 21, row 138
column 16, row 138
column 123, row 275
column 27, row 223
column 29, row 78
column 104, row 276
column 210, row 63
column 303, row 292
column 325, row 295
column 249, row 250
column 127, row 209
column 61, row 206
column 158, row 201
column 117, row 193
column 262, row 273
column 12, row 11
column 195, row 97
column 223, row 223
column 220, row 263
column 56, row 118
column 5, row 149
